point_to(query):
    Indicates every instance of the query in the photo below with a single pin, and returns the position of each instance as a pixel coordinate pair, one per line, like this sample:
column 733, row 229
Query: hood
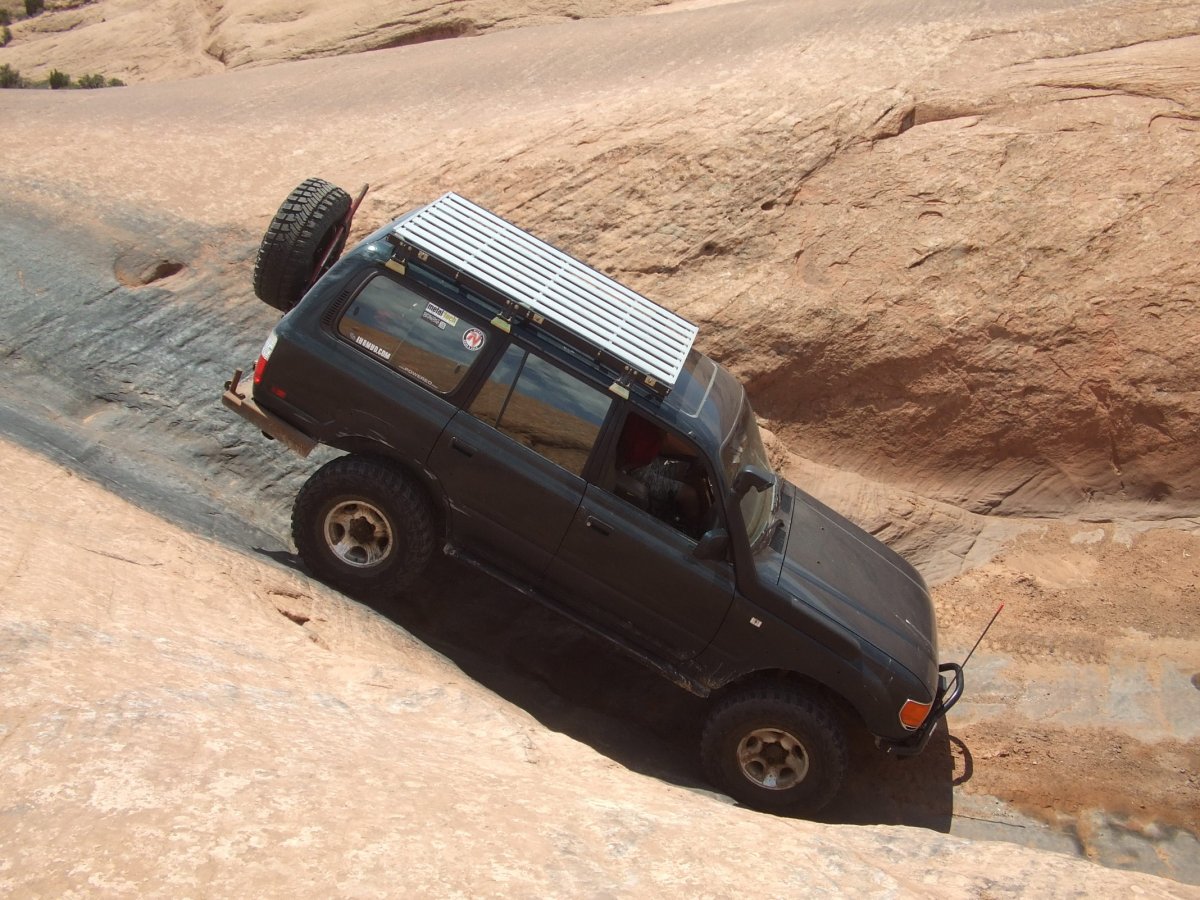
column 833, row 565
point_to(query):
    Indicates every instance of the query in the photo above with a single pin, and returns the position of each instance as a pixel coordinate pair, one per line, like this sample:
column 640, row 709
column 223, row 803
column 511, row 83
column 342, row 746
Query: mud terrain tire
column 305, row 227
column 363, row 526
column 775, row 748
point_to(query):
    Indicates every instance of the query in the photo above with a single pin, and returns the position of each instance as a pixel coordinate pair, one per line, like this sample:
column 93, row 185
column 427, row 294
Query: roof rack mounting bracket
column 619, row 389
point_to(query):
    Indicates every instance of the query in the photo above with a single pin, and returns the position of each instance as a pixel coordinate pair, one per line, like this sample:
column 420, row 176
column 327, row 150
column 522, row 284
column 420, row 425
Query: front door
column 627, row 556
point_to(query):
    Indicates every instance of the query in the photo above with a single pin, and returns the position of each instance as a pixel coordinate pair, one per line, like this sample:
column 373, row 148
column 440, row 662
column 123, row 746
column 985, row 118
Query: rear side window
column 411, row 334
column 542, row 407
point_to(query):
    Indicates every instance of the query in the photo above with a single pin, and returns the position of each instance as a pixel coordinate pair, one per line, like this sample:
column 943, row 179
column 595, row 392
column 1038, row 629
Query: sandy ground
column 1098, row 642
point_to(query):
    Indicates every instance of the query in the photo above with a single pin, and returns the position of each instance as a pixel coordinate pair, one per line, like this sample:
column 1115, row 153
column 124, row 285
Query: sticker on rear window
column 373, row 347
column 473, row 339
column 435, row 315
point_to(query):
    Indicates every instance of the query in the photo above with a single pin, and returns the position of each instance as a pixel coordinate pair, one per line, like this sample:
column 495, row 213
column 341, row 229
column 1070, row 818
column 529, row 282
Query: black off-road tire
column 741, row 760
column 364, row 526
column 296, row 240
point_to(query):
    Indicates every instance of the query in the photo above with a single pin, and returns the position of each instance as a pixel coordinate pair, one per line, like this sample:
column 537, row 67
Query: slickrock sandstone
column 180, row 720
column 949, row 247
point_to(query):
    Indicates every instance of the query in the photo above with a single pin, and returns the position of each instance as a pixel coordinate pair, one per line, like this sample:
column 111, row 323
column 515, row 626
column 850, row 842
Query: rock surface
column 949, row 248
column 957, row 257
column 139, row 41
column 179, row 720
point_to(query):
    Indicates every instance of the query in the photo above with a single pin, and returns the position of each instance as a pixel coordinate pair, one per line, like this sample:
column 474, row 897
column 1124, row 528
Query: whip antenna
column 985, row 631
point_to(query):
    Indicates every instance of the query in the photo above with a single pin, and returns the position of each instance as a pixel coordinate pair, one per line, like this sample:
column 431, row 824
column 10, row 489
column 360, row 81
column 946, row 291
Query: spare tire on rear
column 304, row 239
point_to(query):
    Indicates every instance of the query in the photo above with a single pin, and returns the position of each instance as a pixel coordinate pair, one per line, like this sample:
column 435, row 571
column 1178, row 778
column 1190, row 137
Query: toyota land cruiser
column 499, row 400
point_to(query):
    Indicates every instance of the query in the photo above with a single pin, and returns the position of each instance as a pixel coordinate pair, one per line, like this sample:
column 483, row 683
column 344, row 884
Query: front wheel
column 775, row 748
column 364, row 527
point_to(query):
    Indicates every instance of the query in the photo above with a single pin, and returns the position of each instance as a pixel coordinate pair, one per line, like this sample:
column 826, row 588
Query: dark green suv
column 500, row 400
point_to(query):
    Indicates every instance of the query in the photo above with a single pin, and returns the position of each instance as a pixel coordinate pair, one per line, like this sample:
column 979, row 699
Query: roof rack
column 529, row 279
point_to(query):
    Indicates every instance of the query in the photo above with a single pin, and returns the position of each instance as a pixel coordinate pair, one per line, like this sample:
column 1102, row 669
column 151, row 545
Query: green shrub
column 10, row 77
column 5, row 35
column 59, row 80
column 33, row 7
column 5, row 17
column 91, row 82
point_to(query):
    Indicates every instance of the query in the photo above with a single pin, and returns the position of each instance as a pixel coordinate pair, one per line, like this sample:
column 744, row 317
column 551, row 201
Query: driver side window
column 665, row 475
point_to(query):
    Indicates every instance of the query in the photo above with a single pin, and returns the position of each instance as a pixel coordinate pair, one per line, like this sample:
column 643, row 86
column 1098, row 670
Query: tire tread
column 777, row 702
column 375, row 479
column 287, row 254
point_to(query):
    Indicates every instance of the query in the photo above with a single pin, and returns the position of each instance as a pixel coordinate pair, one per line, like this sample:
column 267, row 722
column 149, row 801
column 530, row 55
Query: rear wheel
column 363, row 526
column 303, row 240
column 775, row 748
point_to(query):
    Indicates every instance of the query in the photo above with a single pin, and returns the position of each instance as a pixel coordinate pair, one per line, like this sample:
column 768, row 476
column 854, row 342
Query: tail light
column 265, row 354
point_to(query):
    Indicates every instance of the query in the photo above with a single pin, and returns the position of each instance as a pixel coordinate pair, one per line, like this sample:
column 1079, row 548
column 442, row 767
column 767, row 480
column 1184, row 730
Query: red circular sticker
column 472, row 339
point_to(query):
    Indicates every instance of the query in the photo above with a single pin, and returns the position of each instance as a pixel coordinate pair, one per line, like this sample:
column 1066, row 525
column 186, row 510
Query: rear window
column 415, row 336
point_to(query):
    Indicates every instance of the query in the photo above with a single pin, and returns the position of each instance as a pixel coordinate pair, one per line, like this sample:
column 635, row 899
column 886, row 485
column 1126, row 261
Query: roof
column 598, row 312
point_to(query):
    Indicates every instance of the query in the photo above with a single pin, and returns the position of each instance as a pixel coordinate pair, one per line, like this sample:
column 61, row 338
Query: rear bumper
column 949, row 692
column 238, row 397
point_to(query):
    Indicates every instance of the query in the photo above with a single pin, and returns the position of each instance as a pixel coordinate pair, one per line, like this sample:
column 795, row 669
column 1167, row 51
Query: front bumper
column 949, row 692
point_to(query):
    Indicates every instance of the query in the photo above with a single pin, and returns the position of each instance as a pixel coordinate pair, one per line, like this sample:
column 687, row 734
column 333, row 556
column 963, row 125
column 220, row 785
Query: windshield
column 744, row 447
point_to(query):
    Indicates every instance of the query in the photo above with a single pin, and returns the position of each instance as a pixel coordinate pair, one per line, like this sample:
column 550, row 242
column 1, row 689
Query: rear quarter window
column 415, row 336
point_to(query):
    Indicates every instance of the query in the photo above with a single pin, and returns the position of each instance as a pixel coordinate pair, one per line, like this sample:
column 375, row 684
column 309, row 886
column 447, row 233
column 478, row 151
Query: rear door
column 404, row 358
column 512, row 461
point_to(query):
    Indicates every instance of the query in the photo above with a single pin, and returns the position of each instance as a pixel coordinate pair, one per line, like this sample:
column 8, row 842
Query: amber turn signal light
column 912, row 714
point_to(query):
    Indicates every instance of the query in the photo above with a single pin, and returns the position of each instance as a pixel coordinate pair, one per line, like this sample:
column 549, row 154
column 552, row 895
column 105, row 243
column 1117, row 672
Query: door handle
column 464, row 449
column 598, row 526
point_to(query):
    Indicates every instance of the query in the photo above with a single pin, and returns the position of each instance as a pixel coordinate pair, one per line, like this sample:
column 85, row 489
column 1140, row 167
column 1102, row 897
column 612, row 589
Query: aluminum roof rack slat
column 517, row 274
column 566, row 298
column 655, row 316
column 600, row 315
column 502, row 247
column 497, row 242
column 498, row 276
column 452, row 248
column 640, row 330
column 538, row 265
column 613, row 306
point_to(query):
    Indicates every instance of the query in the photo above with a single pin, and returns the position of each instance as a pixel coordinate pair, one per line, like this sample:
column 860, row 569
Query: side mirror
column 714, row 545
column 751, row 477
